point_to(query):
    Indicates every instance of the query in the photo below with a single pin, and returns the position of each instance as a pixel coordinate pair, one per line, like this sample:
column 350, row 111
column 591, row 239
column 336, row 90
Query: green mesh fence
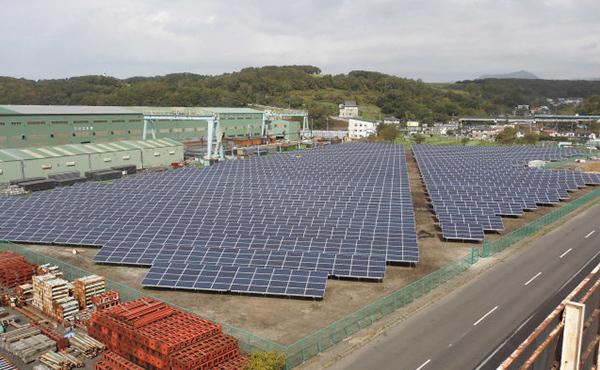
column 307, row 347
column 500, row 244
column 316, row 343
column 248, row 342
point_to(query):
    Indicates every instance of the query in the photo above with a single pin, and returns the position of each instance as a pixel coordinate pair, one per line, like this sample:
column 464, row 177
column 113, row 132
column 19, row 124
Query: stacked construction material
column 38, row 185
column 61, row 342
column 106, row 300
column 51, row 296
column 14, row 269
column 103, row 175
column 129, row 168
column 24, row 290
column 87, row 345
column 66, row 178
column 49, row 269
column 87, row 287
column 27, row 343
column 153, row 334
column 112, row 361
column 61, row 360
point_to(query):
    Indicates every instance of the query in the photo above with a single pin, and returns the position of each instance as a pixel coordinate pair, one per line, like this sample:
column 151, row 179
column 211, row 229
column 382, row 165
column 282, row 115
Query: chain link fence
column 500, row 244
column 332, row 334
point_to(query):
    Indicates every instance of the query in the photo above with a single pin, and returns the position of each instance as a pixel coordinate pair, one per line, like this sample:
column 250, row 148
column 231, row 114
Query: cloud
column 436, row 40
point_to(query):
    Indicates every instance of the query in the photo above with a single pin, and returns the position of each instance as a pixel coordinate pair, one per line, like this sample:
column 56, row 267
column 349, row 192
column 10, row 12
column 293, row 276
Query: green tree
column 507, row 136
column 590, row 106
column 464, row 141
column 530, row 138
column 389, row 133
column 418, row 138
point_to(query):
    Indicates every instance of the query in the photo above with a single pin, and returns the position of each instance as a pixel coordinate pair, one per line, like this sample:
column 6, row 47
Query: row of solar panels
column 470, row 187
column 282, row 204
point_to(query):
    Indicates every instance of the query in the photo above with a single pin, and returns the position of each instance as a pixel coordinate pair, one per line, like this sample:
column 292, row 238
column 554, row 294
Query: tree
column 530, row 138
column 464, row 141
column 418, row 138
column 507, row 136
column 389, row 133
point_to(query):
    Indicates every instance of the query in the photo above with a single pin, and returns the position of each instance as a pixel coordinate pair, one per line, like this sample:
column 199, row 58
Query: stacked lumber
column 51, row 296
column 88, row 287
column 87, row 345
column 14, row 269
column 155, row 335
column 49, row 269
column 60, row 361
column 27, row 343
column 24, row 290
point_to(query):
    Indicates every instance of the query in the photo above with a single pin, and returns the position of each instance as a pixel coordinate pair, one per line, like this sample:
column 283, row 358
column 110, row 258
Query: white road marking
column 590, row 234
column 533, row 278
column 486, row 315
column 422, row 366
column 564, row 254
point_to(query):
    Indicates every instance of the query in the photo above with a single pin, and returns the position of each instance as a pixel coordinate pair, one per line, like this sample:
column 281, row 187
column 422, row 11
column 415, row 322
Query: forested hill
column 301, row 87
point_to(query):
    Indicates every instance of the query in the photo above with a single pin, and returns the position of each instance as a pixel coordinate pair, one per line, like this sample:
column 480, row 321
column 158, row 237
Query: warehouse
column 24, row 126
column 19, row 163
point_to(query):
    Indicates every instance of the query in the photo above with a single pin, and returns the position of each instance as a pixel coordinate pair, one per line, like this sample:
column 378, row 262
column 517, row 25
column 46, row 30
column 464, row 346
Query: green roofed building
column 19, row 163
column 24, row 126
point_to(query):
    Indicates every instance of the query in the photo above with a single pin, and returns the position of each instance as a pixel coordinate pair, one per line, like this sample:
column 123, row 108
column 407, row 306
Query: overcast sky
column 434, row 40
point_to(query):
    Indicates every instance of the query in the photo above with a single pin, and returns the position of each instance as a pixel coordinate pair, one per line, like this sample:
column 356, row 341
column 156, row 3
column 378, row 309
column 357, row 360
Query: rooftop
column 17, row 154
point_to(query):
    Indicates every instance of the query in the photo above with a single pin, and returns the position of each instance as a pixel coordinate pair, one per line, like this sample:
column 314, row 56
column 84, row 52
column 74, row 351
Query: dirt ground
column 285, row 321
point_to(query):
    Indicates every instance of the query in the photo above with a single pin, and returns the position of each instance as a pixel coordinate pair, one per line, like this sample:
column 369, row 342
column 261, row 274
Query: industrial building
column 24, row 126
column 20, row 163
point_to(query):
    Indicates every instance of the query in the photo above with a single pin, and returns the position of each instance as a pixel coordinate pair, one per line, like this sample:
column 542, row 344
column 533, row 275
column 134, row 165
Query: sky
column 431, row 40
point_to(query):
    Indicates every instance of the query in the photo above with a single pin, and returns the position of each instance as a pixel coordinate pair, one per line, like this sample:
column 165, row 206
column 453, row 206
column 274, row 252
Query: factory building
column 20, row 163
column 23, row 126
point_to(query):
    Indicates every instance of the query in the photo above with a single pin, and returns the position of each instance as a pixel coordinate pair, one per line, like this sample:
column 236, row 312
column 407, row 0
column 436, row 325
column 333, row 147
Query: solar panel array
column 472, row 187
column 341, row 210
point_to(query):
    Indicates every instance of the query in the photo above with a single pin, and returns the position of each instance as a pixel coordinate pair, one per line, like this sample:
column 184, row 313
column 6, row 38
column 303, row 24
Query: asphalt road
column 477, row 325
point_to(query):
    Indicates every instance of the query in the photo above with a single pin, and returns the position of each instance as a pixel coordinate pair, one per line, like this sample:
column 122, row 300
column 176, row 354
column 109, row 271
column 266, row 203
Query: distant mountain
column 523, row 75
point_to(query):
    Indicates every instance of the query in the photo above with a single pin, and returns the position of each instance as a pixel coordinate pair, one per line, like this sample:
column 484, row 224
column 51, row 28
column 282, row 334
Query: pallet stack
column 106, row 300
column 15, row 269
column 51, row 296
column 87, row 287
column 27, row 343
column 155, row 335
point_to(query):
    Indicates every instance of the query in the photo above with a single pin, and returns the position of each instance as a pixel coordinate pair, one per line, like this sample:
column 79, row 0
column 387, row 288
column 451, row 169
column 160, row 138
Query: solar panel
column 351, row 201
column 470, row 186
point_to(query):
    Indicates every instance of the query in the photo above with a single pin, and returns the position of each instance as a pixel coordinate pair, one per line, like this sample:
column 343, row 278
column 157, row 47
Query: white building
column 358, row 127
column 348, row 109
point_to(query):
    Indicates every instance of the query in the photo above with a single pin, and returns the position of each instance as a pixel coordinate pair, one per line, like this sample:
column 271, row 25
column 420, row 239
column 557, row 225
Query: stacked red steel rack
column 112, row 361
column 106, row 300
column 15, row 269
column 155, row 335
